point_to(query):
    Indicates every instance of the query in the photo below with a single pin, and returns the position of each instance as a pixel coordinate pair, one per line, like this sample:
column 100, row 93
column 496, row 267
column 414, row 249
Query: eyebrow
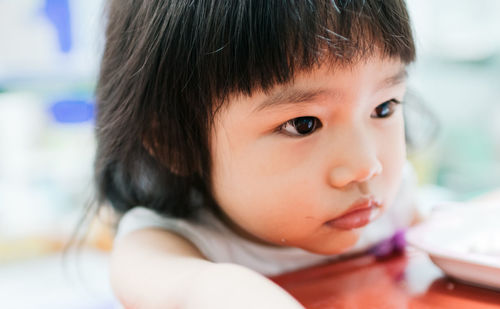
column 397, row 78
column 290, row 95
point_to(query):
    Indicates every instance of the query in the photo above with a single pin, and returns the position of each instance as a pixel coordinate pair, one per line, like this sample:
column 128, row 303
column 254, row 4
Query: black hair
column 168, row 65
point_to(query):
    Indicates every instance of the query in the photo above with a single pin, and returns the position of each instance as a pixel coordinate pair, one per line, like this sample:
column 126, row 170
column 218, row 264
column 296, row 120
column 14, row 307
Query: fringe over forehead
column 240, row 46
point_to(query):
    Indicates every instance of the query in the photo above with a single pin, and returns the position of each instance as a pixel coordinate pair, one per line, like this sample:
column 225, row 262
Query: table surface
column 410, row 280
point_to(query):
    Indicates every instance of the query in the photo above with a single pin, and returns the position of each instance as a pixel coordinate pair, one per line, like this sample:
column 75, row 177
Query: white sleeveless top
column 221, row 245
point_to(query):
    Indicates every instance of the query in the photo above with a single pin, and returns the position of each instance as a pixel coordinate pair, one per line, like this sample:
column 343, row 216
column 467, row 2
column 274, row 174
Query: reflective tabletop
column 409, row 280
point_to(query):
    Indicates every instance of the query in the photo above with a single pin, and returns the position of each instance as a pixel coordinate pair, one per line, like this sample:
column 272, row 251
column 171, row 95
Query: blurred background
column 49, row 59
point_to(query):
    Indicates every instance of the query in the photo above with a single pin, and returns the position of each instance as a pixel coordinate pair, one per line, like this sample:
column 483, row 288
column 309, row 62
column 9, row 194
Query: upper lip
column 362, row 203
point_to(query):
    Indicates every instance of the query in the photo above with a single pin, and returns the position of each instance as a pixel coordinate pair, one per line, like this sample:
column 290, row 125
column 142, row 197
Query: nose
column 356, row 162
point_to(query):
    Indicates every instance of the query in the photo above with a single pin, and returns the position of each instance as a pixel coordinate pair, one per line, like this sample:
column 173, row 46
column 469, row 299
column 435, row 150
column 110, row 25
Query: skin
column 176, row 275
column 277, row 188
column 280, row 188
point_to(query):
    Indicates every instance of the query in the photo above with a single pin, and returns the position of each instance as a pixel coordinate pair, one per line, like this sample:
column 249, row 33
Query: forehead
column 386, row 71
column 333, row 79
column 381, row 75
column 330, row 78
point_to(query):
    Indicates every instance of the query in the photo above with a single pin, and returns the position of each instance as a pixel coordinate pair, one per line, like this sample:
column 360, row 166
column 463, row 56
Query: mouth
column 359, row 214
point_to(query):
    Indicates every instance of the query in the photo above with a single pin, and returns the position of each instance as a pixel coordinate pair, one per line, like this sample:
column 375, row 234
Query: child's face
column 288, row 182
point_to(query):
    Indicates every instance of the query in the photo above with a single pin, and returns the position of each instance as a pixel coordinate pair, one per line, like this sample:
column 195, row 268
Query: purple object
column 388, row 247
column 58, row 13
column 72, row 111
column 399, row 240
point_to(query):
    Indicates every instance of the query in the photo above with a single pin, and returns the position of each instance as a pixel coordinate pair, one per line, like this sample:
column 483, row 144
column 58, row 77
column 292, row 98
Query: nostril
column 339, row 177
column 374, row 170
column 343, row 177
column 366, row 175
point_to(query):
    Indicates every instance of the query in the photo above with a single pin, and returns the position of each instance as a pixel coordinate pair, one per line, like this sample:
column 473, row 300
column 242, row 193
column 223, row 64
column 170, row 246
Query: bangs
column 263, row 43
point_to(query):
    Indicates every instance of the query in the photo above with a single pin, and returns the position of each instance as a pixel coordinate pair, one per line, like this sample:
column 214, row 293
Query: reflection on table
column 404, row 281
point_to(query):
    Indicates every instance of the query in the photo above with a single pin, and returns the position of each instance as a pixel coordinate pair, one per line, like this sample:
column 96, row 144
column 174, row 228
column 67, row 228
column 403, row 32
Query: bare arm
column 153, row 268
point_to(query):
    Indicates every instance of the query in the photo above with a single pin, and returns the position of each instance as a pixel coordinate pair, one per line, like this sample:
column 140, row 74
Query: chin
column 336, row 245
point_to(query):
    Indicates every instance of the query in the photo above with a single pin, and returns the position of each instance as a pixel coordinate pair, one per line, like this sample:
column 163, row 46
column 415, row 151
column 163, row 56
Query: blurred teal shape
column 469, row 164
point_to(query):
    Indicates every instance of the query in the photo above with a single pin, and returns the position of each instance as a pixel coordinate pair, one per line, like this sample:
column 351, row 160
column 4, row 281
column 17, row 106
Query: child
column 248, row 138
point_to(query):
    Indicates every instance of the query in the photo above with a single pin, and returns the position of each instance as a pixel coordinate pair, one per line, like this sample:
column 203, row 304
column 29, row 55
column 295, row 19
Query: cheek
column 262, row 199
column 393, row 155
column 236, row 186
column 258, row 203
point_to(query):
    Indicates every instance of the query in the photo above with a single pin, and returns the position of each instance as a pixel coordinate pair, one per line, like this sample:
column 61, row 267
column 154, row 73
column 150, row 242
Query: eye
column 300, row 126
column 385, row 109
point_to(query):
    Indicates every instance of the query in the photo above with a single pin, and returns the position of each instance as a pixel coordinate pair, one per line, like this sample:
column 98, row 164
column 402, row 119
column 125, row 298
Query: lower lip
column 355, row 219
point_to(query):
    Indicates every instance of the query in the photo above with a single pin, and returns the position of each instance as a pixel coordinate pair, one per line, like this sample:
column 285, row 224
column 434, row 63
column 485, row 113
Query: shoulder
column 168, row 242
column 142, row 228
column 139, row 218
column 200, row 231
